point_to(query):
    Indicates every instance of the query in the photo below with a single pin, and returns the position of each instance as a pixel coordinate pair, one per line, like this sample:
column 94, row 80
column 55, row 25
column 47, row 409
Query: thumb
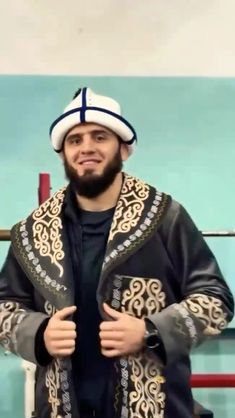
column 111, row 312
column 65, row 312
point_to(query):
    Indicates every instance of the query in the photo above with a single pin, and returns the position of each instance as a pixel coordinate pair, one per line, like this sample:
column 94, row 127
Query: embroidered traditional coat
column 156, row 265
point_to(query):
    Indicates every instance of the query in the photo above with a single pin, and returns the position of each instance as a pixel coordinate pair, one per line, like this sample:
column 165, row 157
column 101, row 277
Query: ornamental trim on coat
column 57, row 379
column 52, row 382
column 32, row 240
column 47, row 230
column 209, row 310
column 139, row 210
column 139, row 379
column 130, row 206
column 11, row 316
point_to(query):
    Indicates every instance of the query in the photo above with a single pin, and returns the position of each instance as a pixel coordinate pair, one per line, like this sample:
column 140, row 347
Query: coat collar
column 39, row 242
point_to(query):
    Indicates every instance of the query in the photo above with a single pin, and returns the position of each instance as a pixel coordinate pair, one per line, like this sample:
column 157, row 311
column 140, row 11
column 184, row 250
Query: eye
column 101, row 136
column 76, row 140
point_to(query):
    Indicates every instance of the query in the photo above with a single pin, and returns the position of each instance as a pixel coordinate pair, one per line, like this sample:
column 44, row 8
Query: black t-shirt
column 95, row 228
column 91, row 230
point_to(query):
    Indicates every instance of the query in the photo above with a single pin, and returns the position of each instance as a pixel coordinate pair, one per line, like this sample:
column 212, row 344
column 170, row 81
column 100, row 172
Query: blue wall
column 186, row 147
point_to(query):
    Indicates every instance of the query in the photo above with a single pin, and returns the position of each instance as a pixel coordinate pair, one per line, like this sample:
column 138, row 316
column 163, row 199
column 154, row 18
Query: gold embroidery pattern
column 52, row 383
column 11, row 316
column 208, row 310
column 130, row 206
column 143, row 374
column 47, row 229
column 143, row 298
column 147, row 399
column 144, row 229
column 31, row 263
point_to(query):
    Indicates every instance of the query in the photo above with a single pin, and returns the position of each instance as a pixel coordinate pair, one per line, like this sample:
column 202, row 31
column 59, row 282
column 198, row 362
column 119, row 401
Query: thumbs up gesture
column 122, row 335
column 60, row 333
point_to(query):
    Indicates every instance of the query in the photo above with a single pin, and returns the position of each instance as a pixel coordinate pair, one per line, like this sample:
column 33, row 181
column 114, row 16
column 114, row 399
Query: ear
column 61, row 154
column 124, row 151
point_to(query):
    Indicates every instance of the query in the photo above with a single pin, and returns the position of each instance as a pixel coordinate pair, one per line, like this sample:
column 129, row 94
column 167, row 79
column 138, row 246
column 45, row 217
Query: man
column 108, row 285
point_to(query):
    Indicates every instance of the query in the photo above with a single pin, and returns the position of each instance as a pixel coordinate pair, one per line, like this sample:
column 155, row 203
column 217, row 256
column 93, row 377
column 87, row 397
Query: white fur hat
column 92, row 108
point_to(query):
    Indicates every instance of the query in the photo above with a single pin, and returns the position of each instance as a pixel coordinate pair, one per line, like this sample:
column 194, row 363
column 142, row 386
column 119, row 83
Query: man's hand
column 124, row 335
column 60, row 334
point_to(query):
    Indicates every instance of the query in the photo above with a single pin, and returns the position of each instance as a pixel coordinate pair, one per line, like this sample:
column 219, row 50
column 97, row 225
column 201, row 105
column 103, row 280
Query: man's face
column 93, row 157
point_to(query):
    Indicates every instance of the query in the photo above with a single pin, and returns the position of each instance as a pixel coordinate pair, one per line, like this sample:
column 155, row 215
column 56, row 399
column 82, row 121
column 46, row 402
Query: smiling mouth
column 89, row 162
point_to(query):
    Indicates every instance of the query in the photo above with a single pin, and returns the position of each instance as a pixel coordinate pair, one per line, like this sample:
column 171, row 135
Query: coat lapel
column 138, row 213
column 39, row 246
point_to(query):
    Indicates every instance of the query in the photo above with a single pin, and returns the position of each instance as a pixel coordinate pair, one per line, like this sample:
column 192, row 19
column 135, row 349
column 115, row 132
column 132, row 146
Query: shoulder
column 175, row 212
column 178, row 220
column 51, row 207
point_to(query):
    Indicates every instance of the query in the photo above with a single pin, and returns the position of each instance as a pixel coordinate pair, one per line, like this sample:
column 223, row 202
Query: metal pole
column 4, row 235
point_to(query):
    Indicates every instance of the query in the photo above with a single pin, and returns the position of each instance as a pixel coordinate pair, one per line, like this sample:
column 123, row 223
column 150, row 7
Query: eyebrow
column 94, row 132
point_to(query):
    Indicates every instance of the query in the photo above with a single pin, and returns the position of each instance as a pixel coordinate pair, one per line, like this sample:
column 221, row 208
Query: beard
column 92, row 185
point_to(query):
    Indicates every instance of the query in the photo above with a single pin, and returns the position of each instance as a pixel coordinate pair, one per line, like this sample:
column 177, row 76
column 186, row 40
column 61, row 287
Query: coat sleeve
column 19, row 322
column 207, row 304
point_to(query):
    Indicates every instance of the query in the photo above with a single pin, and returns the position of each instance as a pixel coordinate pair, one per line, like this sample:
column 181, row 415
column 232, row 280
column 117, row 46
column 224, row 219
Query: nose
column 87, row 145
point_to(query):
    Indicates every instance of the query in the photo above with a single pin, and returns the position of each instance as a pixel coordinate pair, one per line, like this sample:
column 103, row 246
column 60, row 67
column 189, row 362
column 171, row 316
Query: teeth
column 89, row 162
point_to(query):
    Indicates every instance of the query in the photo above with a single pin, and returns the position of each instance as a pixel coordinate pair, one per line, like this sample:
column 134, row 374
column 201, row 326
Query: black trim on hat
column 99, row 109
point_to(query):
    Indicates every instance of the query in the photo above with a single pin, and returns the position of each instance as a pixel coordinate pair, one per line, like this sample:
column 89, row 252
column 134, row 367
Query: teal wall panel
column 11, row 386
column 186, row 147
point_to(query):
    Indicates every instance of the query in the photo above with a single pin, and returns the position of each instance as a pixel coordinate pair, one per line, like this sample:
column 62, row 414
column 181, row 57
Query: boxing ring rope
column 219, row 233
column 5, row 234
column 197, row 380
column 44, row 188
column 213, row 380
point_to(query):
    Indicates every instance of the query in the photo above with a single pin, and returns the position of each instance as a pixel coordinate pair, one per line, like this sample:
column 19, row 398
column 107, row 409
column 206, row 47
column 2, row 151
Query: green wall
column 186, row 147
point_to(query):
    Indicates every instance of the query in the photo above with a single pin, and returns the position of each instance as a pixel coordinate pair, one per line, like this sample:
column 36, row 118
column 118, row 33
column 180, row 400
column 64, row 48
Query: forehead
column 84, row 128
